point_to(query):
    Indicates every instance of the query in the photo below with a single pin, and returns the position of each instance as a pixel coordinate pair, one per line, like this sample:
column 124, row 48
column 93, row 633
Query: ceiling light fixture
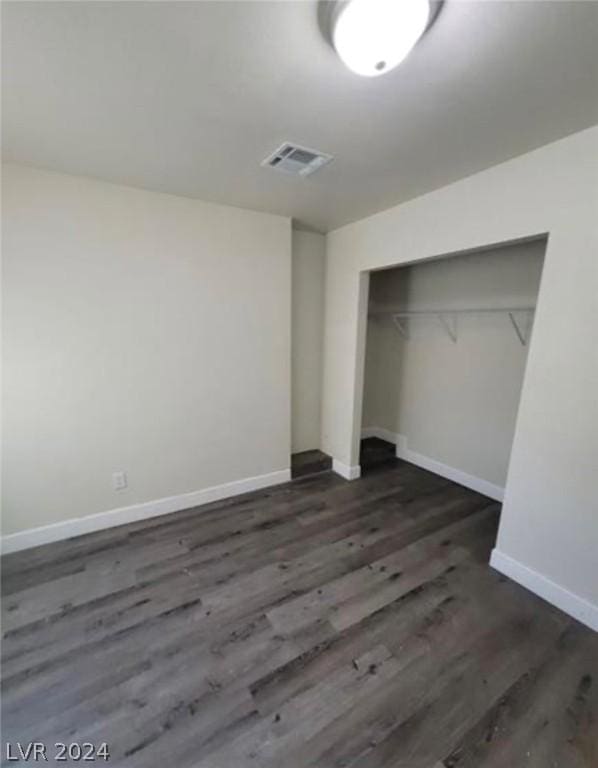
column 374, row 36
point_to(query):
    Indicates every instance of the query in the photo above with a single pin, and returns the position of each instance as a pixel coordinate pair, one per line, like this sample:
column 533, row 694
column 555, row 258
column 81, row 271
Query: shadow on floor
column 376, row 453
column 309, row 463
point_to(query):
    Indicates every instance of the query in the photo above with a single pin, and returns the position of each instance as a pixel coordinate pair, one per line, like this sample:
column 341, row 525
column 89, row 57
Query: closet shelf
column 520, row 317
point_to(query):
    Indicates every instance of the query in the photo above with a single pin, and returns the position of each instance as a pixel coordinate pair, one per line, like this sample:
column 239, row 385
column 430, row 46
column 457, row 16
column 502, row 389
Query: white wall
column 455, row 403
column 309, row 255
column 549, row 524
column 143, row 332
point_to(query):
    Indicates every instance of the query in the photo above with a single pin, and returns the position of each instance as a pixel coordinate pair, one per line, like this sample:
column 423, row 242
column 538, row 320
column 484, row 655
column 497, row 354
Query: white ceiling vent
column 296, row 160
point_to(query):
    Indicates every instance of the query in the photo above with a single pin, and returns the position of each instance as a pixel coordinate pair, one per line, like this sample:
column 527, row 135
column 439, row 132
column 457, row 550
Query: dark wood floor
column 321, row 623
column 309, row 463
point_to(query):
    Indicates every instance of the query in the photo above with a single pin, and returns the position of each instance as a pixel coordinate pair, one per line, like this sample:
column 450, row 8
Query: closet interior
column 446, row 348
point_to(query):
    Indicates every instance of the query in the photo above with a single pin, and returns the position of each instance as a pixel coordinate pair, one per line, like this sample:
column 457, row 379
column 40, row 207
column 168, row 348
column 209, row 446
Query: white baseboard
column 573, row 605
column 344, row 470
column 457, row 475
column 380, row 432
column 66, row 529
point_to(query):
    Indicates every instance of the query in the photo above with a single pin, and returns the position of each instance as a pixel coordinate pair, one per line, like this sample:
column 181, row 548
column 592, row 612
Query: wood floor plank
column 307, row 712
column 420, row 726
column 424, row 557
column 390, row 625
column 318, row 623
column 546, row 718
column 428, row 649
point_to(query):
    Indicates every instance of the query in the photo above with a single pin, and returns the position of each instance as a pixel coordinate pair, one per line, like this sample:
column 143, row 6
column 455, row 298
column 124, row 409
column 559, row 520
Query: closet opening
column 446, row 348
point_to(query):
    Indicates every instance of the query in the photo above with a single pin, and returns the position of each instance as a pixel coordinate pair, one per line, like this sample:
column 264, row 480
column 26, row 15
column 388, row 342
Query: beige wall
column 549, row 524
column 144, row 333
column 454, row 403
column 309, row 255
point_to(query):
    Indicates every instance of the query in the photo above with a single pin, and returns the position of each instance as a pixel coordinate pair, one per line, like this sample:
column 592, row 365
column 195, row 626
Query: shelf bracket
column 522, row 332
column 401, row 326
column 521, row 319
column 449, row 323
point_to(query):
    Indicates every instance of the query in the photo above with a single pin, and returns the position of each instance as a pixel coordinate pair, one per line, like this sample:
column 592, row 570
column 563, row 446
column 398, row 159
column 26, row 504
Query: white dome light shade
column 373, row 36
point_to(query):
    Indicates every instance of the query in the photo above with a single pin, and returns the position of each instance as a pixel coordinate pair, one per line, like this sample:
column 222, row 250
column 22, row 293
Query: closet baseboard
column 381, row 433
column 451, row 473
column 484, row 487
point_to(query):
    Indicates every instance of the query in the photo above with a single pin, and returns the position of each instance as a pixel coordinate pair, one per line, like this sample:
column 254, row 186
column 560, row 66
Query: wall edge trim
column 346, row 471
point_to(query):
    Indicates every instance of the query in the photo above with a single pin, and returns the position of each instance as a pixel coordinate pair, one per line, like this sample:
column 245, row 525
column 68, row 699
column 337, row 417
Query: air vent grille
column 296, row 160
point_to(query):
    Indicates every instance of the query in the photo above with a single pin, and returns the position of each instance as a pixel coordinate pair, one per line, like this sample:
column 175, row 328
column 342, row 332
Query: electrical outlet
column 119, row 481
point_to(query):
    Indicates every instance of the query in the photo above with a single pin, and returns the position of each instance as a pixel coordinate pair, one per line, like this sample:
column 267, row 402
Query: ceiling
column 189, row 97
